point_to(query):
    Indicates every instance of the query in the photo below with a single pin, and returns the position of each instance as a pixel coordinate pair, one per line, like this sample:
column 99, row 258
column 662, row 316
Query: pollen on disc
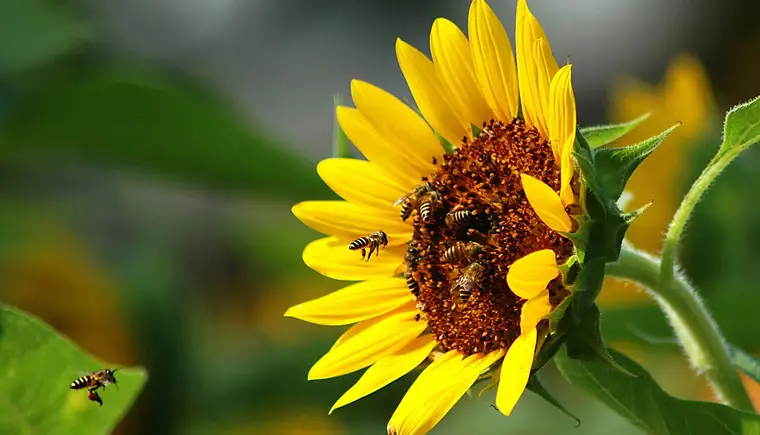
column 483, row 177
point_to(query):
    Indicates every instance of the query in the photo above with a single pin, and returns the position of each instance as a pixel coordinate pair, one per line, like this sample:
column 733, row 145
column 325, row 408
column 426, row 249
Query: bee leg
column 94, row 396
column 372, row 247
column 364, row 253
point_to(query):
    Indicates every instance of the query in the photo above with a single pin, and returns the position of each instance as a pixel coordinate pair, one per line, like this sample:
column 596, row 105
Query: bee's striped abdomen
column 84, row 381
column 406, row 210
column 459, row 217
column 412, row 283
column 426, row 211
column 359, row 243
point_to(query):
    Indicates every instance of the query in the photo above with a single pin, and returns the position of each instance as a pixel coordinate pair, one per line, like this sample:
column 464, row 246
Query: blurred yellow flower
column 54, row 277
column 685, row 95
column 481, row 255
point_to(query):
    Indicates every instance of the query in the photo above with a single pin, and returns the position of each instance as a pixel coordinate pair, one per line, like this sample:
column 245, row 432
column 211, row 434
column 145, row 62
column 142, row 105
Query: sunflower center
column 474, row 222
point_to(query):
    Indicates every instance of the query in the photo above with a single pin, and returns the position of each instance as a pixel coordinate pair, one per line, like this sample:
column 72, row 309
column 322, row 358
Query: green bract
column 604, row 171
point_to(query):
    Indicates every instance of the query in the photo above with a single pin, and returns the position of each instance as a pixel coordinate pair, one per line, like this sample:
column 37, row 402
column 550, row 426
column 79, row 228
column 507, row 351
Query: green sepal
column 599, row 135
column 448, row 148
column 615, row 165
column 535, row 386
column 585, row 342
column 557, row 314
column 475, row 130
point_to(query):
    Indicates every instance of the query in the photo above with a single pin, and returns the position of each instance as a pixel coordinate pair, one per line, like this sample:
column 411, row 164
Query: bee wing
column 404, row 198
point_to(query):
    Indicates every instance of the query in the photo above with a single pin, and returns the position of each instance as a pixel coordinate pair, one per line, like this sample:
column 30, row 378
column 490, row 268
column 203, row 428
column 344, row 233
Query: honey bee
column 422, row 197
column 373, row 241
column 468, row 280
column 411, row 260
column 93, row 381
column 459, row 217
column 461, row 252
column 412, row 283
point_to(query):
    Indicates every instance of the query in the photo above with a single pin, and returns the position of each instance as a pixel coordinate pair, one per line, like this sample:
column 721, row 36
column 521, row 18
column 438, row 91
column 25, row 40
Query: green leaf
column 642, row 402
column 36, row 368
column 746, row 363
column 742, row 127
column 615, row 165
column 535, row 386
column 35, row 32
column 599, row 135
column 584, row 342
column 147, row 123
column 341, row 146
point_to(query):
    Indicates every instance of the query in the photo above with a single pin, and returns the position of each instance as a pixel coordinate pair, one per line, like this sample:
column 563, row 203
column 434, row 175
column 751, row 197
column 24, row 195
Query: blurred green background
column 151, row 151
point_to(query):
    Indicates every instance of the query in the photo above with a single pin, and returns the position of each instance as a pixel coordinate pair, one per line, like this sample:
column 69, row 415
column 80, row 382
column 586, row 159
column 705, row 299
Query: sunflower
column 484, row 231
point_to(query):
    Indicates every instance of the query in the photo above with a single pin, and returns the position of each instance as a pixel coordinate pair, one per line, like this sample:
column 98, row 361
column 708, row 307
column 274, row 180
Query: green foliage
column 599, row 135
column 586, row 344
column 34, row 33
column 36, row 368
column 615, row 165
column 145, row 122
column 535, row 386
column 746, row 363
column 742, row 127
column 642, row 402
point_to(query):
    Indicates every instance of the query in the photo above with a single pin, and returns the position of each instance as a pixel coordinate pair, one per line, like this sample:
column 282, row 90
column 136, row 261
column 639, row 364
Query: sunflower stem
column 677, row 225
column 696, row 330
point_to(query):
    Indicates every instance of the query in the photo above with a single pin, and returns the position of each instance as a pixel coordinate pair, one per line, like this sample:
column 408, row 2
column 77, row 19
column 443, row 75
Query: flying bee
column 461, row 252
column 422, row 196
column 373, row 241
column 93, row 381
column 459, row 217
column 467, row 281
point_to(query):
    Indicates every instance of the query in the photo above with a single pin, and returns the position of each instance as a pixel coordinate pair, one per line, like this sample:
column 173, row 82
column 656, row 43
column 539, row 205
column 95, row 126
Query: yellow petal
column 354, row 303
column 375, row 147
column 493, row 60
column 348, row 221
column 426, row 404
column 567, row 171
column 453, row 63
column 561, row 111
column 533, row 310
column 535, row 67
column 361, row 182
column 562, row 124
column 546, row 203
column 388, row 370
column 399, row 124
column 331, row 257
column 428, row 93
column 529, row 275
column 369, row 341
column 515, row 371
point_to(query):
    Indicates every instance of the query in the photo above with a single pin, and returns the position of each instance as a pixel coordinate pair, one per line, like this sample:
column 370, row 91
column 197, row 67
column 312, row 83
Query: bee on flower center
column 462, row 252
column 459, row 217
column 477, row 224
column 423, row 198
column 373, row 242
column 467, row 281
